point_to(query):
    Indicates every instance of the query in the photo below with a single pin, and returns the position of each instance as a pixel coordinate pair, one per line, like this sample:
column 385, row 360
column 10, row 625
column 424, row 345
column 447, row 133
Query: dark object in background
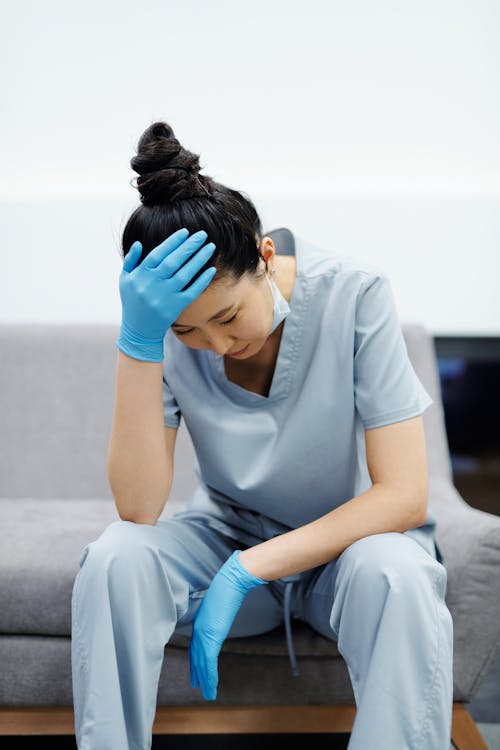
column 469, row 371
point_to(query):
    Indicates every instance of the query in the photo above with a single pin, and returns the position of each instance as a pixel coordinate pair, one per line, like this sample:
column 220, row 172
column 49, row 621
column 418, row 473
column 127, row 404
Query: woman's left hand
column 213, row 621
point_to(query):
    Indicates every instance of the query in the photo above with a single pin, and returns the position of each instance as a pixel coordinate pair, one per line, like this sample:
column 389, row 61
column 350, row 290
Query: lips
column 239, row 352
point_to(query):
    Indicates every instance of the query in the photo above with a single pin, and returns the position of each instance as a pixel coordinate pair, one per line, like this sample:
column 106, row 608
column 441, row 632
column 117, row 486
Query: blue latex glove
column 151, row 292
column 213, row 621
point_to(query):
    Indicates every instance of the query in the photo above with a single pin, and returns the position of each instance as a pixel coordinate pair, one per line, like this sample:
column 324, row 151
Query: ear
column 267, row 249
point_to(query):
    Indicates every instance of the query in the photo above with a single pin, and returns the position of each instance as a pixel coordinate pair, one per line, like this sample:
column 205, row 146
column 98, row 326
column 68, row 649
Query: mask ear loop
column 273, row 271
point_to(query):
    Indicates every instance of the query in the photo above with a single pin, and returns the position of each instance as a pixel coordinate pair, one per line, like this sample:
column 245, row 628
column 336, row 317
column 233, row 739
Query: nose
column 222, row 345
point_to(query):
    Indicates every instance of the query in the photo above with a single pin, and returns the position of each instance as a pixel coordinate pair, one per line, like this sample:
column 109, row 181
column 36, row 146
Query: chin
column 249, row 353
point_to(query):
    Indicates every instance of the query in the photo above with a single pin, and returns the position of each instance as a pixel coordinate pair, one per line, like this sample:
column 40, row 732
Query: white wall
column 368, row 127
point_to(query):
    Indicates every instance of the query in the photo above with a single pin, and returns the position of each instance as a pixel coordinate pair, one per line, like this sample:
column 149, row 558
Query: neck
column 284, row 277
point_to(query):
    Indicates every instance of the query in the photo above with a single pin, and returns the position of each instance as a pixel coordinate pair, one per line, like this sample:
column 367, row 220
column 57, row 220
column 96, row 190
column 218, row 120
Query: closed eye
column 223, row 323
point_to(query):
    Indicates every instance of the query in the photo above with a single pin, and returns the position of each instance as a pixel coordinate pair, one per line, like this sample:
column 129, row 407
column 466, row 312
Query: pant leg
column 135, row 583
column 383, row 601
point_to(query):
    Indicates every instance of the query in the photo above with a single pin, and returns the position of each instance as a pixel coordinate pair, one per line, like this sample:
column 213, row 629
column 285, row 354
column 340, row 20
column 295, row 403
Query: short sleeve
column 171, row 410
column 386, row 387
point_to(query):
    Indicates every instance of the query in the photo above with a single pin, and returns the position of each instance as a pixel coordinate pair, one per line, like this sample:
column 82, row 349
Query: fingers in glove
column 202, row 670
column 132, row 256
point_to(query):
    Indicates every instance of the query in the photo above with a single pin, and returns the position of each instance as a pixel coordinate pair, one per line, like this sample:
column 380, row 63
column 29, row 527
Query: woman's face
column 247, row 321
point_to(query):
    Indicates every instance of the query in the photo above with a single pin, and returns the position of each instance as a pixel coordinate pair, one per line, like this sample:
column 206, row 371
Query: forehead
column 224, row 293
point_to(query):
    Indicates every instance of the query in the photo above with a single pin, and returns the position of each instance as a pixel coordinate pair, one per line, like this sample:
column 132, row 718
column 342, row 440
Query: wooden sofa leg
column 464, row 733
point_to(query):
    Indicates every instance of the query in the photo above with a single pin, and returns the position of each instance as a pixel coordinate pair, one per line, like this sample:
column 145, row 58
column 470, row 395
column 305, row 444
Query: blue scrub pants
column 382, row 600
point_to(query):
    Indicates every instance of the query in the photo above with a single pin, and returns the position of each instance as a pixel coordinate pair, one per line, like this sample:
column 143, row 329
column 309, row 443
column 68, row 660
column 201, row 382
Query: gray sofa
column 56, row 401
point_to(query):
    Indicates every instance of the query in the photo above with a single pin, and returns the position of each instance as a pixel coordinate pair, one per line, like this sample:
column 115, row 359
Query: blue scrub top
column 267, row 465
column 342, row 367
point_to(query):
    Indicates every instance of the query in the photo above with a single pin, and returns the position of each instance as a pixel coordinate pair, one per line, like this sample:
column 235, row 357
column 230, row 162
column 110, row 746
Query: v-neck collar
column 289, row 347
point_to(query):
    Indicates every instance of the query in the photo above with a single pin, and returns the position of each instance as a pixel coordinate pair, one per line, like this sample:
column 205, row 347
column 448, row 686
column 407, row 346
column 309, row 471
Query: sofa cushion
column 39, row 554
column 44, row 679
column 39, row 557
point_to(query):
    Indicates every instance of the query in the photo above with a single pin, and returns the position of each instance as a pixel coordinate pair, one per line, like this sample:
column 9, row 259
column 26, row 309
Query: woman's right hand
column 151, row 292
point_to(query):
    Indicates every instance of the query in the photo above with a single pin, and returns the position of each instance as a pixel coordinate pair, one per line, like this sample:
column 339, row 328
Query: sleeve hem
column 169, row 424
column 395, row 416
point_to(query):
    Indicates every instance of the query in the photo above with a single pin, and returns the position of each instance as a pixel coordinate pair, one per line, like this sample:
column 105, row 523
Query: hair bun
column 167, row 171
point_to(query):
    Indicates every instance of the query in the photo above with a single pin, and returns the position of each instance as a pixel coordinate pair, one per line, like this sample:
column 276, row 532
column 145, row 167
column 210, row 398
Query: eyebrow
column 217, row 315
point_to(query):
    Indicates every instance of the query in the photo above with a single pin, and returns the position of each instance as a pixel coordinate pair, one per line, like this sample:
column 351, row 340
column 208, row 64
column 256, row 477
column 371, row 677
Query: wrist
column 138, row 347
column 249, row 578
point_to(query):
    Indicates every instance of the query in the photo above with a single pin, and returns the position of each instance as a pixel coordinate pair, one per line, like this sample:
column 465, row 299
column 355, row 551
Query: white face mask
column 281, row 306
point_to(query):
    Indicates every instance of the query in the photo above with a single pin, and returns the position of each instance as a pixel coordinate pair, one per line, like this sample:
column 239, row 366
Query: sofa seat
column 39, row 561
column 39, row 556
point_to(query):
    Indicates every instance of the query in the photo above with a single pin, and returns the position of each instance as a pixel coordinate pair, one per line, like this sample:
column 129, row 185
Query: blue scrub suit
column 267, row 465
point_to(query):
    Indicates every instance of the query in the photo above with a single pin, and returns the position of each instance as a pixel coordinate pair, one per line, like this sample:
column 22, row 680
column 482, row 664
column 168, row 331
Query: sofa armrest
column 469, row 540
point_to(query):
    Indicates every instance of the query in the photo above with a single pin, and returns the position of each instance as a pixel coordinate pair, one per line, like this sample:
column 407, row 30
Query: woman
column 292, row 375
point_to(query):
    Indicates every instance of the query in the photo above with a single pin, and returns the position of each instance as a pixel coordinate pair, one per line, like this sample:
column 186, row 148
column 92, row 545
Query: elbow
column 420, row 509
column 147, row 521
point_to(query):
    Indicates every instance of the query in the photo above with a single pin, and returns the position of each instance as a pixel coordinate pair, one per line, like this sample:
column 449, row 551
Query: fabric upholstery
column 57, row 390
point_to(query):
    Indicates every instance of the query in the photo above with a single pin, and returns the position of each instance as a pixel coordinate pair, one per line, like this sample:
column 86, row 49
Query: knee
column 125, row 543
column 394, row 560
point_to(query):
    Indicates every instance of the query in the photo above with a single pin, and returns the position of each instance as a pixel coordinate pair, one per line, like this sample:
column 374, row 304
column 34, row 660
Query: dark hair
column 175, row 195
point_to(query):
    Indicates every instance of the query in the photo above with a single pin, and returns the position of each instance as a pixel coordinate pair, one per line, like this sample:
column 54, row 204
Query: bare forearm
column 378, row 510
column 138, row 469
